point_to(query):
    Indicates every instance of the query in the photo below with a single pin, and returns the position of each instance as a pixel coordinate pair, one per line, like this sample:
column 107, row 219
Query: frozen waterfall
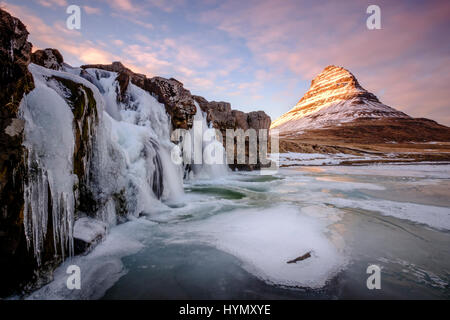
column 129, row 167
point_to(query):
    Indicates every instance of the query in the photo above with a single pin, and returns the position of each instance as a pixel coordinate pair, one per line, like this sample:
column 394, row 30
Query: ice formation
column 50, row 145
column 128, row 168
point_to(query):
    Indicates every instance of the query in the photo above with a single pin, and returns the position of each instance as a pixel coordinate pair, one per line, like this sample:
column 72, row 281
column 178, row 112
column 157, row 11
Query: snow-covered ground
column 291, row 159
column 318, row 159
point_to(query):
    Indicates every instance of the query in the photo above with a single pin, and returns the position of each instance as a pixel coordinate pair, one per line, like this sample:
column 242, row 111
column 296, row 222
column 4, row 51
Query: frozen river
column 231, row 238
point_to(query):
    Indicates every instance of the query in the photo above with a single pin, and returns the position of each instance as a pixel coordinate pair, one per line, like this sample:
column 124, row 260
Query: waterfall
column 129, row 168
column 208, row 154
column 142, row 135
column 158, row 174
column 92, row 154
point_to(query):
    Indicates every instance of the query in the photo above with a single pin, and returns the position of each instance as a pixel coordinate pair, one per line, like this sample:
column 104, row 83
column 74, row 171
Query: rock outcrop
column 178, row 100
column 15, row 80
column 223, row 117
column 48, row 58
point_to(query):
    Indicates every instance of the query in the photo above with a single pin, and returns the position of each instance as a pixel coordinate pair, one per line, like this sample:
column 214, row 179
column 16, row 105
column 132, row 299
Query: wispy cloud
column 167, row 5
column 92, row 10
column 127, row 6
column 133, row 20
column 51, row 3
column 287, row 37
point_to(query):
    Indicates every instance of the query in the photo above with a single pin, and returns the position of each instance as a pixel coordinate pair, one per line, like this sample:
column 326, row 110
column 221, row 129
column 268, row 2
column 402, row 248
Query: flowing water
column 231, row 238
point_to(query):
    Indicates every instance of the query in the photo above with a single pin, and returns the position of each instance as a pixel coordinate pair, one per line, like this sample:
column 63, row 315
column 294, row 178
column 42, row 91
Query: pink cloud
column 51, row 3
column 92, row 10
column 118, row 42
column 124, row 5
column 166, row 5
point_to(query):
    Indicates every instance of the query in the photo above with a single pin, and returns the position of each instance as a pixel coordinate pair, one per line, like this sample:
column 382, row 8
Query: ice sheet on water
column 433, row 216
column 304, row 180
column 101, row 268
column 318, row 159
column 264, row 240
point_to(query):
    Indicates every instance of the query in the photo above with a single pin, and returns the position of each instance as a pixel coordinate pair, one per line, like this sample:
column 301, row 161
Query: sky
column 260, row 54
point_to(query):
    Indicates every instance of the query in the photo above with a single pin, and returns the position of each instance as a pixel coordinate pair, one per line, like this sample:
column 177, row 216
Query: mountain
column 338, row 115
column 335, row 96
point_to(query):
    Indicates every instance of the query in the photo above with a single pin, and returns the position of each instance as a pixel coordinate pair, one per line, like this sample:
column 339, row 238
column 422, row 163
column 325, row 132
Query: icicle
column 49, row 140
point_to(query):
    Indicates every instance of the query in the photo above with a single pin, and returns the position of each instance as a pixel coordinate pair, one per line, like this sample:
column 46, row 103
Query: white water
column 206, row 154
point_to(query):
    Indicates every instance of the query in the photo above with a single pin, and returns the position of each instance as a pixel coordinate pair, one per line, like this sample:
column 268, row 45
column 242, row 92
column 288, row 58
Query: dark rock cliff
column 15, row 55
column 18, row 266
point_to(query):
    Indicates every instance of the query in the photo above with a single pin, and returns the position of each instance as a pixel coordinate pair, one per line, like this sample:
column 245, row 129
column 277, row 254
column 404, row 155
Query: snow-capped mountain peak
column 335, row 96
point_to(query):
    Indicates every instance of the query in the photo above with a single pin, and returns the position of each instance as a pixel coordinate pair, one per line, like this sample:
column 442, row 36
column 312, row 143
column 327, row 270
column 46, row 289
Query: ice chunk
column 88, row 232
column 266, row 239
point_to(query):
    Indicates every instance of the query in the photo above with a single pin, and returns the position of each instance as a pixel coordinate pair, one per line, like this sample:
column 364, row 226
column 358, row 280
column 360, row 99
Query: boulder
column 48, row 58
column 87, row 233
column 177, row 100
